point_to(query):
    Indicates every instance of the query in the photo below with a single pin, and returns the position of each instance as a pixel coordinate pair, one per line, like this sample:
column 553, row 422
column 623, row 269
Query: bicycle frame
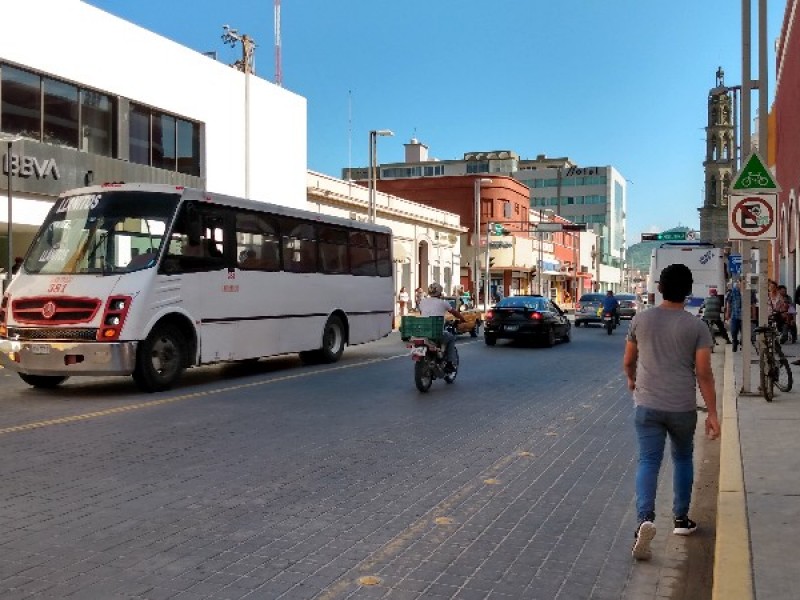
column 772, row 363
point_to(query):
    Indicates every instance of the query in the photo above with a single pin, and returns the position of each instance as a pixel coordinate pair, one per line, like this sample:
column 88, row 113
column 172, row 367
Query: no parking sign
column 753, row 217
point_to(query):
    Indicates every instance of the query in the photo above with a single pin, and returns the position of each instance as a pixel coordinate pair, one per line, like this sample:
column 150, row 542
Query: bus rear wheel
column 160, row 359
column 333, row 339
column 43, row 381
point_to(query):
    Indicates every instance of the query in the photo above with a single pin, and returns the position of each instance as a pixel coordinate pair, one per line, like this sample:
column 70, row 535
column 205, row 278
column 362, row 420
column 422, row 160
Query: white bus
column 146, row 280
column 705, row 261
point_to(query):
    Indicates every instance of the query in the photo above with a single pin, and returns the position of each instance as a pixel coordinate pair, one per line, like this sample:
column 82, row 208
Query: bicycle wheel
column 765, row 376
column 783, row 378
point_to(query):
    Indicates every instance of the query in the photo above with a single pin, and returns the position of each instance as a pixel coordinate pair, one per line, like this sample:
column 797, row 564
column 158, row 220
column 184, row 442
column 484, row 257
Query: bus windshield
column 104, row 233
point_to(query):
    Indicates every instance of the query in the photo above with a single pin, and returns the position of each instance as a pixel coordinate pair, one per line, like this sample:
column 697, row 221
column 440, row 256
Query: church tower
column 719, row 164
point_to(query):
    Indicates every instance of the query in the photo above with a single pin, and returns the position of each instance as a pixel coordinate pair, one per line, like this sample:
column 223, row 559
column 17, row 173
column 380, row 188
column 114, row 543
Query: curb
column 733, row 573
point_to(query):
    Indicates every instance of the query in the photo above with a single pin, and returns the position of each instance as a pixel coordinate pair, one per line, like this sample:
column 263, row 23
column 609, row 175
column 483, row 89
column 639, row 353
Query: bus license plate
column 40, row 349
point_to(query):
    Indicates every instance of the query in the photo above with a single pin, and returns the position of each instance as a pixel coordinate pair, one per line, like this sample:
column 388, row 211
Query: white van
column 706, row 262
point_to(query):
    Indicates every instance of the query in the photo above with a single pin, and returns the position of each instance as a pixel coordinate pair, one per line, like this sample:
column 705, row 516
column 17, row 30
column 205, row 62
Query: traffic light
column 491, row 261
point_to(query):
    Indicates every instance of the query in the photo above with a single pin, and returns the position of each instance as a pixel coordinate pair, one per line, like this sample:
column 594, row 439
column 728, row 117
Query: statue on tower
column 720, row 77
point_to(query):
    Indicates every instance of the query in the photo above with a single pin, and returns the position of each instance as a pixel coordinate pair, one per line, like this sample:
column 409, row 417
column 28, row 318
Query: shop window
column 61, row 110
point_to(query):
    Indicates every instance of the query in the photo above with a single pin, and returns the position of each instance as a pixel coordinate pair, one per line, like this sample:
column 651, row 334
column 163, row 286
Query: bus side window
column 333, row 250
column 257, row 242
column 362, row 253
column 185, row 253
column 299, row 246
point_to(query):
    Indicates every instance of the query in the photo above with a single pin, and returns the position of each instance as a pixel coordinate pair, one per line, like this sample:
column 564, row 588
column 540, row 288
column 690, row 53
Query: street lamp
column 549, row 214
column 476, row 236
column 373, row 162
column 9, row 140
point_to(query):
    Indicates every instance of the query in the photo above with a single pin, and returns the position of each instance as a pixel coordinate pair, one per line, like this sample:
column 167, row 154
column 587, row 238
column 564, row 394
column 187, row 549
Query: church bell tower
column 719, row 163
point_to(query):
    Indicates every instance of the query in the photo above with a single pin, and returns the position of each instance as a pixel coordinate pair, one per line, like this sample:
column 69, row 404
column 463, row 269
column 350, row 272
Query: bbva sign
column 29, row 166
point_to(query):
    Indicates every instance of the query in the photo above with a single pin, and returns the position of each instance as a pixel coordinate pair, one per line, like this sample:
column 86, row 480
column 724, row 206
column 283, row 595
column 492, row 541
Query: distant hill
column 638, row 255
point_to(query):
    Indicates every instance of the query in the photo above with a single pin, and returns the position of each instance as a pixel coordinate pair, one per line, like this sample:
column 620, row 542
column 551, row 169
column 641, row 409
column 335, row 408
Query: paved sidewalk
column 758, row 516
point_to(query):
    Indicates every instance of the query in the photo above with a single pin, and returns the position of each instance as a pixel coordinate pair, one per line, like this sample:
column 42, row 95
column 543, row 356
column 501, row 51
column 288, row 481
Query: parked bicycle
column 773, row 366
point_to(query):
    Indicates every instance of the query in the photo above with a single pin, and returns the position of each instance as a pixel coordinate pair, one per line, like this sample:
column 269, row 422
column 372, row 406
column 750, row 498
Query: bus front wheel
column 160, row 359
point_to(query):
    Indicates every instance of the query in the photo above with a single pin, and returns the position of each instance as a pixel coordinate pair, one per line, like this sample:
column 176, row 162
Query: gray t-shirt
column 665, row 372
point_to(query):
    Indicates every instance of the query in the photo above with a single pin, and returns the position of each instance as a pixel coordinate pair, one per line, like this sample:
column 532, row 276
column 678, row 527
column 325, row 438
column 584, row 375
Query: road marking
column 190, row 396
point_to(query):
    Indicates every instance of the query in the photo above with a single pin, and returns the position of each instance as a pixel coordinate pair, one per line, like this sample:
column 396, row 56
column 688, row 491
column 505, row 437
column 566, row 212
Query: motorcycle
column 609, row 322
column 430, row 361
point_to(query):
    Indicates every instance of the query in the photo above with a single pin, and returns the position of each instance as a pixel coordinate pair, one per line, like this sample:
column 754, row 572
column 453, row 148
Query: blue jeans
column 449, row 343
column 736, row 329
column 652, row 428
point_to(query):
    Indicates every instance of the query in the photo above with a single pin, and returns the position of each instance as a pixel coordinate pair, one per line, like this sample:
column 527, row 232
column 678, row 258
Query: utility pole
column 247, row 66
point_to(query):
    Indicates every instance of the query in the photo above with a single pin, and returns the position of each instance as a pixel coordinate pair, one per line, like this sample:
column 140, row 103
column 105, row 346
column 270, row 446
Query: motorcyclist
column 435, row 306
column 611, row 305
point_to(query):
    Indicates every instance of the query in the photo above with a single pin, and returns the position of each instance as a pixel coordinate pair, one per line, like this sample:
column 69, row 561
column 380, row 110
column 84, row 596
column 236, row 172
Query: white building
column 112, row 101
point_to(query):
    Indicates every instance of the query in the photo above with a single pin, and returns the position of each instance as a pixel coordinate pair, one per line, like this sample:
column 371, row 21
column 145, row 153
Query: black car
column 526, row 317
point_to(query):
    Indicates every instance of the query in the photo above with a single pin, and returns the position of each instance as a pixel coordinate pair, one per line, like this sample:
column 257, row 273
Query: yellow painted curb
column 733, row 573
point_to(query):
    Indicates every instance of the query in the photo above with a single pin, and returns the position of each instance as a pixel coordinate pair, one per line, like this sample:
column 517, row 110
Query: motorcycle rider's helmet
column 435, row 290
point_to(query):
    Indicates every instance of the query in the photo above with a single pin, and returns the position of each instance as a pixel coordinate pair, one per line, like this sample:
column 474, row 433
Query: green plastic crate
column 429, row 327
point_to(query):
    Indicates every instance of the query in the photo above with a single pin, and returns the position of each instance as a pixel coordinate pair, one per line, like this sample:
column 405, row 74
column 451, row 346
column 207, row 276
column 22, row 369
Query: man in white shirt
column 435, row 306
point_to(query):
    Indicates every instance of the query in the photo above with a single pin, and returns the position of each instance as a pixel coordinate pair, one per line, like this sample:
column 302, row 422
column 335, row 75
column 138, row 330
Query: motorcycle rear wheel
column 423, row 376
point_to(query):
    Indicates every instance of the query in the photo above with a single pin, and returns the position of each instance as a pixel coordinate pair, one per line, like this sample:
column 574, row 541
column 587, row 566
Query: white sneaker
column 644, row 535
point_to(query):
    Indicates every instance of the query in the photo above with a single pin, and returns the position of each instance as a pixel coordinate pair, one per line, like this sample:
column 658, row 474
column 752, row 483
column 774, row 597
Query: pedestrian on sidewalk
column 402, row 299
column 667, row 356
column 712, row 314
column 733, row 312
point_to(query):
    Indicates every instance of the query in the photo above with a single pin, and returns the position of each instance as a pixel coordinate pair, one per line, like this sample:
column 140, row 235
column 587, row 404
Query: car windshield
column 105, row 233
column 523, row 302
column 592, row 297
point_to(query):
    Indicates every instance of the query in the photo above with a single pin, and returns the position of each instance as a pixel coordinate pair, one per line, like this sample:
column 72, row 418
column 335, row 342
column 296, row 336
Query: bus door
column 199, row 267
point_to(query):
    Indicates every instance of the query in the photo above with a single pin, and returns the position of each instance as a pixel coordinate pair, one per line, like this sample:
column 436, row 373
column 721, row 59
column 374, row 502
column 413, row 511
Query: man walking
column 668, row 355
column 712, row 314
column 733, row 312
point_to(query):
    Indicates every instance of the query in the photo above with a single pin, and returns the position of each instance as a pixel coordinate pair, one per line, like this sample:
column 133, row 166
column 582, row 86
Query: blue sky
column 619, row 82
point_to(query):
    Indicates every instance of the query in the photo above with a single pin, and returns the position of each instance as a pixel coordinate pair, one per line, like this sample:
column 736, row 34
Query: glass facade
column 64, row 114
column 56, row 112
column 164, row 141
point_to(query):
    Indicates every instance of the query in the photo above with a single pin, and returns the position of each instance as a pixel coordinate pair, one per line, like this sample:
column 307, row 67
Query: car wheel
column 577, row 323
column 567, row 335
column 489, row 339
column 550, row 339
